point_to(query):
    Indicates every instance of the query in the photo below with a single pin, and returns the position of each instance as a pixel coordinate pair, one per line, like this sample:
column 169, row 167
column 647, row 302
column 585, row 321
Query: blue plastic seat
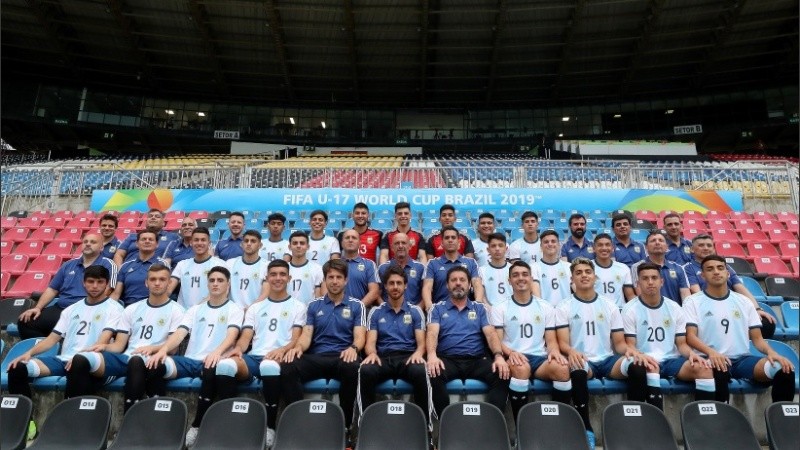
column 17, row 350
column 791, row 319
column 322, row 386
column 761, row 296
column 784, row 350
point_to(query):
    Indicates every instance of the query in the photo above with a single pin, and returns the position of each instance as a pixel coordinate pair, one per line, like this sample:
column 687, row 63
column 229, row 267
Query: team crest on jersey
column 637, row 249
column 561, row 274
column 619, row 279
column 472, row 315
column 222, row 319
column 737, row 314
column 412, row 273
column 112, row 249
column 673, row 274
column 163, row 238
column 600, row 316
column 98, row 317
column 464, row 265
column 412, row 242
column 667, row 323
column 369, row 240
column 71, row 272
column 285, row 314
column 205, row 272
column 407, row 319
column 537, row 319
column 361, row 267
column 687, row 250
column 590, row 250
column 255, row 276
column 346, row 313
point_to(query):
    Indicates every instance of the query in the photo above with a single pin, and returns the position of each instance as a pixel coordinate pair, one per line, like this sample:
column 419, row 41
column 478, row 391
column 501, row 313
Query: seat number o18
column 471, row 409
column 240, row 407
column 395, row 408
column 707, row 409
column 631, row 410
column 549, row 409
column 317, row 407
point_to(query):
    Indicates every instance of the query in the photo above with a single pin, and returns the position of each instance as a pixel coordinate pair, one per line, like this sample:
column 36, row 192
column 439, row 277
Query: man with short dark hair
column 402, row 221
column 306, row 275
column 528, row 248
column 248, row 271
column 369, row 238
column 231, row 245
column 576, row 244
column 679, row 248
column 486, row 226
column 494, row 274
column 626, row 250
column 129, row 248
column 434, row 284
column 276, row 247
column 613, row 278
column 555, row 279
column 108, row 230
column 321, row 247
column 435, row 247
column 190, row 274
column 676, row 285
column 131, row 286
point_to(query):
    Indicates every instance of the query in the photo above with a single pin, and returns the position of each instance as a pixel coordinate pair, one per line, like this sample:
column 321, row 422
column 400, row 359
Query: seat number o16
column 317, row 407
column 88, row 403
column 395, row 408
column 707, row 409
column 632, row 410
column 240, row 407
column 471, row 409
column 549, row 409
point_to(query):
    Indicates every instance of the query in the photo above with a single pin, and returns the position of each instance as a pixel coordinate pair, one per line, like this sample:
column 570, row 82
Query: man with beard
column 528, row 248
column 129, row 249
column 369, row 238
column 231, row 246
column 576, row 244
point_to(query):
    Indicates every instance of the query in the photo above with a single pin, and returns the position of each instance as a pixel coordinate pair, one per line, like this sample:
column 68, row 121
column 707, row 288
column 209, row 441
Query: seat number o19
column 163, row 405
column 788, row 410
column 317, row 407
column 240, row 407
column 707, row 409
column 631, row 410
column 549, row 409
column 395, row 408
column 9, row 402
column 88, row 403
column 472, row 409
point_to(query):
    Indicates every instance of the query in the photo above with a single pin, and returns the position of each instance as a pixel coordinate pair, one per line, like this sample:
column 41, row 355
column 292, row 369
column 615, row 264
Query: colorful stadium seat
column 730, row 249
column 27, row 283
column 29, row 248
column 44, row 234
column 46, row 263
column 15, row 235
column 14, row 264
column 759, row 250
column 772, row 266
column 59, row 248
column 73, row 235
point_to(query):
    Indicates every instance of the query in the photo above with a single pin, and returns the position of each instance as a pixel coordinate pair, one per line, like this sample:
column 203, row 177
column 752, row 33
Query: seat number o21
column 631, row 410
column 471, row 409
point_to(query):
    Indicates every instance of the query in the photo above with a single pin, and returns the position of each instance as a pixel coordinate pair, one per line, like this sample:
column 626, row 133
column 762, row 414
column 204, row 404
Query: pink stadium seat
column 62, row 249
column 730, row 249
column 773, row 266
column 82, row 223
column 130, row 214
column 644, row 214
column 789, row 250
column 14, row 264
column 791, row 225
column 738, row 215
column 17, row 234
column 29, row 248
column 723, row 235
column 8, row 222
column 715, row 215
column 123, row 233
column 172, row 215
column 5, row 247
column 46, row 264
column 743, row 224
column 778, row 236
column 690, row 233
column 30, row 222
column 85, row 213
column 129, row 222
column 784, row 216
column 754, row 235
column 173, row 224
column 697, row 224
column 720, row 224
column 41, row 215
column 795, row 263
column 767, row 225
column 28, row 283
column 4, row 279
column 198, row 215
column 108, row 211
column 760, row 250
column 763, row 215
column 44, row 234
column 64, row 214
column 73, row 235
column 692, row 214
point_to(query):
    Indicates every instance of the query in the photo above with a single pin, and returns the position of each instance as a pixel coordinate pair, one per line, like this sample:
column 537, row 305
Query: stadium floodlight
column 560, row 134
column 323, row 125
column 565, row 119
column 201, row 114
column 617, row 116
column 291, row 120
column 669, row 111
column 170, row 112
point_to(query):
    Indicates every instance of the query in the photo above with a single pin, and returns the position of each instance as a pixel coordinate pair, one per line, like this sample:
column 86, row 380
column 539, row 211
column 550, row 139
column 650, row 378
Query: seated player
column 721, row 323
column 214, row 326
column 657, row 327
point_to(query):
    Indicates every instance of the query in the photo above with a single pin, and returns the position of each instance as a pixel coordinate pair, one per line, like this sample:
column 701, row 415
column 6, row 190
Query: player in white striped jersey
column 82, row 324
column 143, row 328
column 275, row 247
column 272, row 326
column 495, row 272
column 528, row 248
column 656, row 326
column 486, row 227
column 594, row 338
column 555, row 279
column 321, row 247
column 721, row 324
column 191, row 273
column 214, row 327
column 526, row 326
column 306, row 275
column 248, row 271
column 613, row 278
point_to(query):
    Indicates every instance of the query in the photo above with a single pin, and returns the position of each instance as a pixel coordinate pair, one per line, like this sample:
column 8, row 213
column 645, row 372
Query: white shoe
column 191, row 436
column 270, row 437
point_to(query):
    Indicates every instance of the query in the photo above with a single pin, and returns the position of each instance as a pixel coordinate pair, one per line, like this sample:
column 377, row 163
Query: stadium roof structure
column 404, row 53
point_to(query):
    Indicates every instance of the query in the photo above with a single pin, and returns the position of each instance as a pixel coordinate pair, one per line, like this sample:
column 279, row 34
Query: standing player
column 676, row 285
column 247, row 271
column 402, row 220
column 494, row 274
column 143, row 328
column 434, row 284
column 486, row 226
column 591, row 334
column 626, row 250
column 555, row 279
column 191, row 274
column 577, row 245
column 90, row 321
column 231, row 247
column 613, row 278
column 305, row 275
column 272, row 327
column 413, row 270
column 657, row 327
column 721, row 324
column 526, row 327
column 434, row 248
column 329, row 346
column 214, row 326
column 527, row 248
column 276, row 247
column 369, row 238
column 321, row 247
column 362, row 274
column 395, row 346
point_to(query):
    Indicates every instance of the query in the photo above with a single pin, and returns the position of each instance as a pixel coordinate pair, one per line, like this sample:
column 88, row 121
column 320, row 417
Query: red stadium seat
column 172, row 215
column 773, row 266
column 123, row 233
column 690, row 233
column 715, row 215
column 761, row 250
column 785, row 216
column 30, row 222
column 62, row 249
column 130, row 214
column 723, row 235
column 692, row 214
column 791, row 225
column 56, row 222
column 738, row 215
column 647, row 215
column 82, row 223
column 763, row 215
column 64, row 214
column 8, row 222
column 28, row 283
column 108, row 211
column 18, row 234
column 73, row 235
column 754, row 235
column 14, row 264
column 4, row 279
column 720, row 224
column 730, row 249
column 789, row 250
column 5, row 247
column 46, row 264
column 44, row 234
column 129, row 222
column 778, row 236
column 173, row 224
column 743, row 224
column 41, row 215
column 198, row 215
column 767, row 225
column 29, row 248
column 795, row 263
column 697, row 224
column 85, row 213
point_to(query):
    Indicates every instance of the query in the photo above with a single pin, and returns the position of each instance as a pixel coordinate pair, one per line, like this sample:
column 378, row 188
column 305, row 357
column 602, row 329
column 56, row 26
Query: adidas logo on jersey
column 140, row 319
column 202, row 319
column 76, row 316
column 383, row 320
column 320, row 313
column 514, row 318
column 577, row 317
column 644, row 322
column 709, row 314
